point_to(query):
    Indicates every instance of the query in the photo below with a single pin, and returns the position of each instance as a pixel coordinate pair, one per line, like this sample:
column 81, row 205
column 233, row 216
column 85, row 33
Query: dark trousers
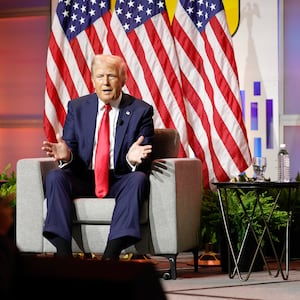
column 62, row 186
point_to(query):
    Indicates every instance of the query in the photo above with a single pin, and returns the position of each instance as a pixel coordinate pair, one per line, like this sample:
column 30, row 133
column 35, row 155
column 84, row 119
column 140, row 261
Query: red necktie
column 102, row 156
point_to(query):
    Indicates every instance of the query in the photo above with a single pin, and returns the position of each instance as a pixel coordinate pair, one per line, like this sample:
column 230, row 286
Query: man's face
column 107, row 81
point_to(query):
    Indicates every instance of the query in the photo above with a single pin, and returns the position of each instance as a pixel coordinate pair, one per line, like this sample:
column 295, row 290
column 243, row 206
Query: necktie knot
column 107, row 107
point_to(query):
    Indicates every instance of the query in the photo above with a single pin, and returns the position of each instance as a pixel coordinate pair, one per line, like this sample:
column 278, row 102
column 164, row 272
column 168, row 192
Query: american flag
column 217, row 133
column 79, row 30
column 141, row 34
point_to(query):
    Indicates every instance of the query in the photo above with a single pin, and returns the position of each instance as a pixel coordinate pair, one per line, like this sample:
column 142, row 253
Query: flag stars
column 126, row 26
column 140, row 7
column 212, row 7
column 137, row 19
column 119, row 11
column 74, row 17
column 131, row 3
column 102, row 4
column 72, row 28
column 199, row 24
column 65, row 14
column 190, row 10
column 76, row 12
column 92, row 12
column 200, row 13
column 134, row 13
column 160, row 4
column 128, row 15
column 76, row 6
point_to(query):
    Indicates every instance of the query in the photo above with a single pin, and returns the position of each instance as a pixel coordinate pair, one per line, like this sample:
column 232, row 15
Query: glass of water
column 259, row 164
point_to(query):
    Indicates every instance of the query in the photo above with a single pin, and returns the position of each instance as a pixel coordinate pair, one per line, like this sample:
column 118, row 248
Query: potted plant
column 8, row 184
column 212, row 228
column 8, row 191
column 238, row 222
column 211, row 220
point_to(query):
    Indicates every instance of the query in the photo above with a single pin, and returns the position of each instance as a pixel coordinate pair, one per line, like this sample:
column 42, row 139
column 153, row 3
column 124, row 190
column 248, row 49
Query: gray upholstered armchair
column 170, row 219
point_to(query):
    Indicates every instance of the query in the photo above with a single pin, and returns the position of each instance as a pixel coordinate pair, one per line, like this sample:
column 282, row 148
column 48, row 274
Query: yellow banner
column 232, row 10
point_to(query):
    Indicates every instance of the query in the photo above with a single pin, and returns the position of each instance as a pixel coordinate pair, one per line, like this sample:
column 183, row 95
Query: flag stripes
column 149, row 52
column 78, row 32
column 210, row 86
column 187, row 71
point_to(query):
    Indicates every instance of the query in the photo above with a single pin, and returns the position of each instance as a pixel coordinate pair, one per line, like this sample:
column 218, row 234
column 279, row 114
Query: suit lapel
column 126, row 110
column 90, row 114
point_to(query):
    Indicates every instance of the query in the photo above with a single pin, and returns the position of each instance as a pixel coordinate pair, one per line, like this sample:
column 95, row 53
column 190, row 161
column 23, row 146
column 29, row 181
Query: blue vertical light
column 254, row 116
column 269, row 124
column 256, row 88
column 243, row 103
column 257, row 146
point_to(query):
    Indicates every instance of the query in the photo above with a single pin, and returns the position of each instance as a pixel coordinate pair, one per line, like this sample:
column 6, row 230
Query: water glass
column 259, row 164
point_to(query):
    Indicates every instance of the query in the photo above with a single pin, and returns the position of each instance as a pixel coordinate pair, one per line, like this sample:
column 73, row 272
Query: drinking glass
column 259, row 167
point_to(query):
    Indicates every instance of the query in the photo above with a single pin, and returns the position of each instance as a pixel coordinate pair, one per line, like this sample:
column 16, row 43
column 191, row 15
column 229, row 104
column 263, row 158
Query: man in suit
column 131, row 134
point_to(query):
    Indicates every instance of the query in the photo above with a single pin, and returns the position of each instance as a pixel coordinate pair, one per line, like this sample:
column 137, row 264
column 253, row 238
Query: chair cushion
column 99, row 211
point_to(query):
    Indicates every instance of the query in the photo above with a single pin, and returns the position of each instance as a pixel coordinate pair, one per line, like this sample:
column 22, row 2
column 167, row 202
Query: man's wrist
column 63, row 163
column 133, row 166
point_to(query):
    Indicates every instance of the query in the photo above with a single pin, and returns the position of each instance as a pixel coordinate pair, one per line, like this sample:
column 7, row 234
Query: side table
column 258, row 188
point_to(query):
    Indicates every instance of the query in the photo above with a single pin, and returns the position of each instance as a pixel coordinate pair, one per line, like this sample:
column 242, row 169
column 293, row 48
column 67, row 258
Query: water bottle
column 283, row 164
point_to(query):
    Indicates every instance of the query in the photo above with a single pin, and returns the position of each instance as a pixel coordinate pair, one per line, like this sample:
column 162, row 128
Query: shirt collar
column 114, row 104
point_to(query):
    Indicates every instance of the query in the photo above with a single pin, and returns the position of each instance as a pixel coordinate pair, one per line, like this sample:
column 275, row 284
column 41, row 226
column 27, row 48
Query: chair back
column 166, row 143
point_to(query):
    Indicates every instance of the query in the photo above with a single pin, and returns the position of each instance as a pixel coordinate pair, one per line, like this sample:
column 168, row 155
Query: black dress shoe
column 114, row 248
column 63, row 247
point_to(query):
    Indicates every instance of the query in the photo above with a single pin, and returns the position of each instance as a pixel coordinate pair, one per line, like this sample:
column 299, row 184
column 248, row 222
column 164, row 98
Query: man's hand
column 59, row 150
column 137, row 152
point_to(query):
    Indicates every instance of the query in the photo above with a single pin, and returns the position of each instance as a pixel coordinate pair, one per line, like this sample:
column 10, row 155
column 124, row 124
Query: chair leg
column 172, row 273
column 195, row 252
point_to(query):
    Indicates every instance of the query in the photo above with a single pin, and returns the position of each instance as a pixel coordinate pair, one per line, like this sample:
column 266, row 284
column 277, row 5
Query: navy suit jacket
column 135, row 119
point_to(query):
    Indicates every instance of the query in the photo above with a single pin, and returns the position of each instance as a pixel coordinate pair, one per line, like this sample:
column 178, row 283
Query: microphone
column 120, row 122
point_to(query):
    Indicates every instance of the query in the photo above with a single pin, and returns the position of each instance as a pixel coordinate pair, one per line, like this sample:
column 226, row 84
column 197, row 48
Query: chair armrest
column 175, row 204
column 30, row 174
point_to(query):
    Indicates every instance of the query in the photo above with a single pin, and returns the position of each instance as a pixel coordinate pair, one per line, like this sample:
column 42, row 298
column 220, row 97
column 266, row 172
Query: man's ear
column 93, row 82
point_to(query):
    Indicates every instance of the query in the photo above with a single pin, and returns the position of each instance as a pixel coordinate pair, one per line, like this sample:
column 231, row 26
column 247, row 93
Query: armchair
column 170, row 218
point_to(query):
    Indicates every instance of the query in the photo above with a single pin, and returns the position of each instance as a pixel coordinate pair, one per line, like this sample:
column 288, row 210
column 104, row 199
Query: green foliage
column 210, row 217
column 211, row 220
column 276, row 218
column 8, row 189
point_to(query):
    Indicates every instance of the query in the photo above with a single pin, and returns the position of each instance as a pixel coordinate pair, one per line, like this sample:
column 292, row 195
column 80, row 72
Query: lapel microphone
column 120, row 122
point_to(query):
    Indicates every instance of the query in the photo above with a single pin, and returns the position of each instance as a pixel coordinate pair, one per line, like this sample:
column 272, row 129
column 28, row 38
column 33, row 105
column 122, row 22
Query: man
column 131, row 133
